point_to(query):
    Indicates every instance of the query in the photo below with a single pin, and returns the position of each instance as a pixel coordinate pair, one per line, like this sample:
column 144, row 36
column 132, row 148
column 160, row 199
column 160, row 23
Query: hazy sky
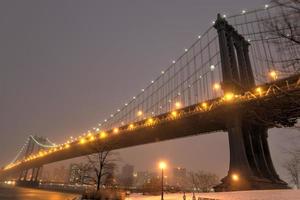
column 65, row 65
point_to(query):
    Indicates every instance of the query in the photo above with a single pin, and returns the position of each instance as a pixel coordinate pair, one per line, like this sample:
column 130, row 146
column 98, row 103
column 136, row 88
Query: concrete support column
column 267, row 155
column 21, row 175
column 238, row 157
column 33, row 174
column 248, row 140
column 251, row 165
column 25, row 175
column 37, row 174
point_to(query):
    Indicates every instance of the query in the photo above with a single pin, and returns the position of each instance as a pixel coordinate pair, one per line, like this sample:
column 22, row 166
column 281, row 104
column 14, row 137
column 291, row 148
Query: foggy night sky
column 66, row 65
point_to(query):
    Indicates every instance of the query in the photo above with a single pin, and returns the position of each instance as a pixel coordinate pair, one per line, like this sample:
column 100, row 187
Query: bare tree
column 193, row 179
column 103, row 163
column 204, row 180
column 287, row 24
column 84, row 170
column 284, row 29
column 292, row 167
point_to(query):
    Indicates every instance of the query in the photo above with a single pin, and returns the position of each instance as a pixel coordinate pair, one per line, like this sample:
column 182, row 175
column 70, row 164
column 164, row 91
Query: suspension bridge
column 241, row 76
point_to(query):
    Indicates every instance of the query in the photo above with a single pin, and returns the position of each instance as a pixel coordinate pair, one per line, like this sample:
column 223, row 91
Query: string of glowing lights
column 258, row 92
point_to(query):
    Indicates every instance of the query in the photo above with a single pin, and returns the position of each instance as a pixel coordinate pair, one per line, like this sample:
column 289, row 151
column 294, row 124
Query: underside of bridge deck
column 247, row 130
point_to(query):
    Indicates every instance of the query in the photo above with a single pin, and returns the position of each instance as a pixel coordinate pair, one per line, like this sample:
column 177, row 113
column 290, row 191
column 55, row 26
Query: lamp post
column 162, row 166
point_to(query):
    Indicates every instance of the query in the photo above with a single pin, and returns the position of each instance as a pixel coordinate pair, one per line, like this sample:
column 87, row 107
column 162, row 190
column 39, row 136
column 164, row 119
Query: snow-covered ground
column 243, row 195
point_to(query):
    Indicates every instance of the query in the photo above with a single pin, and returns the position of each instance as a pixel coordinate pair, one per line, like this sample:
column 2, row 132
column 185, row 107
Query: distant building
column 109, row 179
column 179, row 176
column 46, row 175
column 79, row 174
column 143, row 177
column 127, row 175
column 74, row 174
column 59, row 174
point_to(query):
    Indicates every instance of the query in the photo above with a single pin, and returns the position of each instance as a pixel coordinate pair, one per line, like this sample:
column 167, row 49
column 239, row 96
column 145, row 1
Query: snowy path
column 243, row 195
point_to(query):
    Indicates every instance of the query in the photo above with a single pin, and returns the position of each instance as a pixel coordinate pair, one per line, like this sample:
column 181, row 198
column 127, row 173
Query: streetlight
column 162, row 166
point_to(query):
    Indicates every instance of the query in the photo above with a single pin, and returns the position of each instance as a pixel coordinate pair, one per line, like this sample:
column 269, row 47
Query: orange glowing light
column 92, row 138
column 139, row 113
column 229, row 96
column 116, row 130
column 235, row 177
column 162, row 165
column 150, row 121
column 82, row 141
column 259, row 90
column 217, row 86
column 131, row 126
column 103, row 135
column 174, row 113
column 273, row 75
column 178, row 105
column 204, row 105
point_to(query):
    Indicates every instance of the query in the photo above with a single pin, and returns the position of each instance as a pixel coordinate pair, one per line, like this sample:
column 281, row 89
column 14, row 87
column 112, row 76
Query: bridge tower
column 250, row 165
column 33, row 179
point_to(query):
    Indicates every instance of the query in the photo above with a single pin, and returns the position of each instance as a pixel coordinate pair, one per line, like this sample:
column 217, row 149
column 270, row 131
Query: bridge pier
column 34, row 179
column 34, row 172
column 251, row 166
